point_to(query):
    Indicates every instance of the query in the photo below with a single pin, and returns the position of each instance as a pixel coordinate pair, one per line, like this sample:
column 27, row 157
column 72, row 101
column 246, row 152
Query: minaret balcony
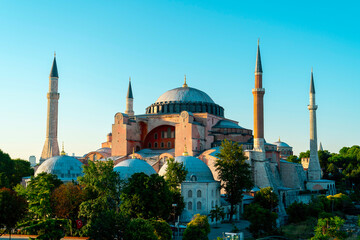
column 312, row 107
column 262, row 90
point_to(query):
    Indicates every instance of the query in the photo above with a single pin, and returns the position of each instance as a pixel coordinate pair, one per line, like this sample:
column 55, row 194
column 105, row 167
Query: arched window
column 198, row 206
column 155, row 145
column 193, row 178
column 162, row 145
column 189, row 193
column 149, row 145
column 169, row 144
column 155, row 136
column 198, row 193
column 190, row 206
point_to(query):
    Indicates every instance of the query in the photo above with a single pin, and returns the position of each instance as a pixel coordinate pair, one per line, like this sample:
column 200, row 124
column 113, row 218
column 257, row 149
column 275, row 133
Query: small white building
column 200, row 191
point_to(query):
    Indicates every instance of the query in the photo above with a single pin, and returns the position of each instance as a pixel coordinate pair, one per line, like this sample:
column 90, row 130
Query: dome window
column 193, row 178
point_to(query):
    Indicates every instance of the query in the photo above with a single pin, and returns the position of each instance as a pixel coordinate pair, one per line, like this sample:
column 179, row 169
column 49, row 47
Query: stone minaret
column 314, row 170
column 51, row 147
column 258, row 93
column 129, row 101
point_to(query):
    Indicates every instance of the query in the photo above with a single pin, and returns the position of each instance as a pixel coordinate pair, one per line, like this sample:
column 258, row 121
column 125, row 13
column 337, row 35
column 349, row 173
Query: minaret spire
column 258, row 92
column 314, row 169
column 129, row 100
column 51, row 146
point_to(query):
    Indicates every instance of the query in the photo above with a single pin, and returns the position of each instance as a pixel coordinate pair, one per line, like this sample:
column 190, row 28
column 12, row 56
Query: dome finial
column 279, row 139
column 133, row 155
column 185, row 85
column 185, row 153
column 63, row 151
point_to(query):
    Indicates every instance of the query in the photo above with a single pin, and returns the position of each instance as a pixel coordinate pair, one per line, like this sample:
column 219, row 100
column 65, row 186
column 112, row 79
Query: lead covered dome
column 66, row 168
column 198, row 171
column 130, row 166
column 185, row 99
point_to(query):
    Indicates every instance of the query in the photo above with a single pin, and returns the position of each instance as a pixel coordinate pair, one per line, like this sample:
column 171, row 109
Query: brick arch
column 160, row 135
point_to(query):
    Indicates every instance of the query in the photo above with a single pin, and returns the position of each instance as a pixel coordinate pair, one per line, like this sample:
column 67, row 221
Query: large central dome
column 185, row 99
column 184, row 94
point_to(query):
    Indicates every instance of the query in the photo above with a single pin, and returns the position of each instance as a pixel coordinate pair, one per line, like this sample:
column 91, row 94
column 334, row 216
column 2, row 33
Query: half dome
column 65, row 167
column 198, row 171
column 130, row 166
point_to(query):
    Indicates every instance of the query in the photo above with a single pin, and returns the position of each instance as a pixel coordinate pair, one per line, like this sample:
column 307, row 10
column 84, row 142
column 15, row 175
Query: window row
column 164, row 134
column 198, row 193
column 190, row 206
column 162, row 145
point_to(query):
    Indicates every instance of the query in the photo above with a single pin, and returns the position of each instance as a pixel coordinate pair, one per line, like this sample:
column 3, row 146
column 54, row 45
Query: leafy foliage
column 262, row 221
column 266, row 198
column 234, row 172
column 198, row 228
column 161, row 229
column 12, row 209
column 140, row 229
column 146, row 197
column 217, row 214
column 38, row 194
column 48, row 229
column 294, row 159
column 329, row 228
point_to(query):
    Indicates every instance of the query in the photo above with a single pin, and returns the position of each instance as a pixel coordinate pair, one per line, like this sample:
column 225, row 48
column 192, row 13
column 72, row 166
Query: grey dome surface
column 185, row 94
column 130, row 166
column 65, row 167
column 281, row 144
column 197, row 170
column 227, row 124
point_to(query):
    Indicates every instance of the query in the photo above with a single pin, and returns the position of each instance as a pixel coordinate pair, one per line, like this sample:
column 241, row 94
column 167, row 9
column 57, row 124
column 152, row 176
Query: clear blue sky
column 99, row 44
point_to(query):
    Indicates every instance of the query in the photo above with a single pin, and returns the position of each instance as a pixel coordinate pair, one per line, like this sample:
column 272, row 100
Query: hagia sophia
column 185, row 123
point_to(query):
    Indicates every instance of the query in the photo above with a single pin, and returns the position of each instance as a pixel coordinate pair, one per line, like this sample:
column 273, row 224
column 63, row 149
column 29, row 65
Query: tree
column 198, row 228
column 140, row 229
column 65, row 202
column 6, row 170
column 217, row 214
column 266, row 198
column 294, row 159
column 262, row 221
column 175, row 173
column 329, row 228
column 38, row 194
column 101, row 186
column 12, row 209
column 323, row 158
column 174, row 176
column 234, row 173
column 304, row 154
column 161, row 229
column 47, row 229
column 146, row 197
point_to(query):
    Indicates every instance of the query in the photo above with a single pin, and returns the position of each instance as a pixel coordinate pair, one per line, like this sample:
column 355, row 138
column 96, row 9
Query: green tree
column 262, row 221
column 140, row 229
column 6, row 170
column 102, row 187
column 12, row 209
column 266, row 198
column 329, row 228
column 22, row 169
column 198, row 228
column 304, row 154
column 46, row 229
column 146, row 197
column 174, row 176
column 161, row 229
column 294, row 159
column 234, row 173
column 38, row 194
column 217, row 214
column 323, row 158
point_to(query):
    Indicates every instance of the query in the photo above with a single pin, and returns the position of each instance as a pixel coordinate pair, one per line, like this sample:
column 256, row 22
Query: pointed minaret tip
column 54, row 71
column 258, row 66
column 185, row 84
column 129, row 92
column 312, row 87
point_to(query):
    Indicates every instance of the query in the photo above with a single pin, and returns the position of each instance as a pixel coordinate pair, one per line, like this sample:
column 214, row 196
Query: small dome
column 130, row 166
column 65, row 167
column 197, row 170
column 184, row 94
column 226, row 124
column 281, row 144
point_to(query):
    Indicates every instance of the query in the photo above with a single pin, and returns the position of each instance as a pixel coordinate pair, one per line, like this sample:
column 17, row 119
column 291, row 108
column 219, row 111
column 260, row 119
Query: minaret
column 129, row 101
column 258, row 93
column 51, row 147
column 314, row 169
